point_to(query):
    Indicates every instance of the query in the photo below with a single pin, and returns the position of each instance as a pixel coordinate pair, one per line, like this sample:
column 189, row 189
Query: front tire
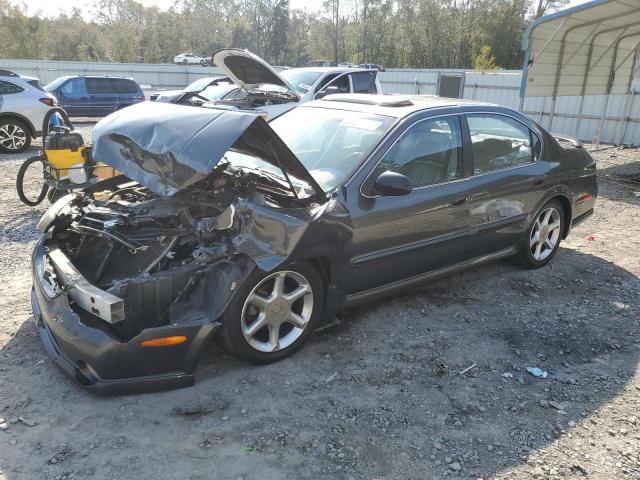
column 273, row 313
column 542, row 240
column 14, row 136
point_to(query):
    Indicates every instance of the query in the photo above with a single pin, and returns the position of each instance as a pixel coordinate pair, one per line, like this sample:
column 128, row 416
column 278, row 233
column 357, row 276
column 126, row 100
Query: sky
column 51, row 8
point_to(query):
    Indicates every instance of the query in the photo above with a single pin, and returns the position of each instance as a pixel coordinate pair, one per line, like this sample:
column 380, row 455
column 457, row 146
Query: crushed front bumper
column 85, row 347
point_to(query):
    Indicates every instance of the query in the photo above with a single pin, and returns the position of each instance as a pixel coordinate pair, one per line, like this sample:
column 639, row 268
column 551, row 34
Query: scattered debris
column 470, row 367
column 537, row 372
column 507, row 375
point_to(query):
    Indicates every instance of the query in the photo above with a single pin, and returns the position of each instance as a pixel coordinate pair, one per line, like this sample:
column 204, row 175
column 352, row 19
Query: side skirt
column 391, row 288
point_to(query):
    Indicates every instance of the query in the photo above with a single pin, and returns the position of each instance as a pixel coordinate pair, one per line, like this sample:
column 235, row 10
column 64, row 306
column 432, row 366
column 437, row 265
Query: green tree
column 485, row 60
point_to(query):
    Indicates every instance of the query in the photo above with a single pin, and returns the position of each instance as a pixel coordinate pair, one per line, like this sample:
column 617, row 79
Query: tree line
column 393, row 33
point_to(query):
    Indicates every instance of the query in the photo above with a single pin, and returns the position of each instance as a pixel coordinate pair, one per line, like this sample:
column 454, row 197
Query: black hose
column 47, row 120
column 20, row 181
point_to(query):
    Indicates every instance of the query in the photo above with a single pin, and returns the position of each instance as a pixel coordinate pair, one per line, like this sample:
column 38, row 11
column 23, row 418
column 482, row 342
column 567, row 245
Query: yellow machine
column 67, row 163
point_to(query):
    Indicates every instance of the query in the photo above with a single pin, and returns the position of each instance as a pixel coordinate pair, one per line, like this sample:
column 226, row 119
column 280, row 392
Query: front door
column 73, row 97
column 397, row 237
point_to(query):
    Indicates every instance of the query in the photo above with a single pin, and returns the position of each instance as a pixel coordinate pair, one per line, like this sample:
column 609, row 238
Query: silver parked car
column 23, row 105
column 271, row 93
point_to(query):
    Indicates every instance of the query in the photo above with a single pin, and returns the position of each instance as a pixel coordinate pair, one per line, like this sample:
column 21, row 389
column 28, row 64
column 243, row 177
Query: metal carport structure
column 590, row 49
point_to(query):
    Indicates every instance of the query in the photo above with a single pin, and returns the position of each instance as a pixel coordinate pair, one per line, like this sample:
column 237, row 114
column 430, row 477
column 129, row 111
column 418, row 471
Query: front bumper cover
column 85, row 348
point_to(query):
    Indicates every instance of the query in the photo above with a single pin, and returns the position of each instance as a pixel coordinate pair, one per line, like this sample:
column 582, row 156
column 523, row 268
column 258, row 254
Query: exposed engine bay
column 258, row 97
column 177, row 259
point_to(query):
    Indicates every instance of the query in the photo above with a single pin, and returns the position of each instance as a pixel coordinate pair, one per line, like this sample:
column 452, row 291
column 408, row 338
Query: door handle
column 459, row 201
column 539, row 180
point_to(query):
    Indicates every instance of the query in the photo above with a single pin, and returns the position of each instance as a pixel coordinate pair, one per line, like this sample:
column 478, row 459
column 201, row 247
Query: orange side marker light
column 164, row 341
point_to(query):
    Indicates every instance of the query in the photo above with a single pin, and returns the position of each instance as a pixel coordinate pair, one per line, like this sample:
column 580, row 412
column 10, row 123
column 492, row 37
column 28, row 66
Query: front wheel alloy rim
column 12, row 137
column 545, row 234
column 277, row 311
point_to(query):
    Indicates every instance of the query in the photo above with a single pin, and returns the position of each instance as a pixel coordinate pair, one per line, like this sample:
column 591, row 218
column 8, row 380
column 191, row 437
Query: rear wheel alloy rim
column 545, row 234
column 12, row 137
column 277, row 311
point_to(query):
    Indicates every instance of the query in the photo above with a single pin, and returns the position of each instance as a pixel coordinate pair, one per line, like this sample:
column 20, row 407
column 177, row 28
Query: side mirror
column 330, row 90
column 391, row 184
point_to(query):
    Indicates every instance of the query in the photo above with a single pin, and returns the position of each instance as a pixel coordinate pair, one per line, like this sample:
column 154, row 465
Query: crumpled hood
column 168, row 147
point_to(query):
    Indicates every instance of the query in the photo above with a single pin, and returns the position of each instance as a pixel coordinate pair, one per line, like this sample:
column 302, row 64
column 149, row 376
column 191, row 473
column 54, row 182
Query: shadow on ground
column 377, row 394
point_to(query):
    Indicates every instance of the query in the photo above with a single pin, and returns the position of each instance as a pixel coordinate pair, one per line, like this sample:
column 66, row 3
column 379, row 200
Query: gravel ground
column 432, row 384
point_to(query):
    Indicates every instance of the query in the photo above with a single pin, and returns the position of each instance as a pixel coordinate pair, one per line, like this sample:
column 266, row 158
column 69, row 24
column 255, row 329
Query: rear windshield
column 35, row 84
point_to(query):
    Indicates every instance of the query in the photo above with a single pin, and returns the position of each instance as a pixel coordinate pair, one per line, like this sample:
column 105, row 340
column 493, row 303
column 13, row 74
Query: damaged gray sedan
column 216, row 226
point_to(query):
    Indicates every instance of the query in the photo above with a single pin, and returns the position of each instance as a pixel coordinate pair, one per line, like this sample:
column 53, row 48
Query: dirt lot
column 378, row 394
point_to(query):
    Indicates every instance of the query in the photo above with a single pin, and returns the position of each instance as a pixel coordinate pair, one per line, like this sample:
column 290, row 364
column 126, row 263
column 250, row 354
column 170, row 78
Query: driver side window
column 341, row 82
column 429, row 152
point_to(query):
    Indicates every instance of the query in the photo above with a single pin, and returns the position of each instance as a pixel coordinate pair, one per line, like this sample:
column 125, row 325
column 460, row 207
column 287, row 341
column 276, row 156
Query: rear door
column 103, row 95
column 509, row 179
column 73, row 97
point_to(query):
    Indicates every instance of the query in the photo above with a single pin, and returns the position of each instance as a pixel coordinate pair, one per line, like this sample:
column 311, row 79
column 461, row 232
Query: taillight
column 48, row 101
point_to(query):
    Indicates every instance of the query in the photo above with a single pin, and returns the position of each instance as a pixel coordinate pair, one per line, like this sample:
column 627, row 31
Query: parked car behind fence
column 94, row 96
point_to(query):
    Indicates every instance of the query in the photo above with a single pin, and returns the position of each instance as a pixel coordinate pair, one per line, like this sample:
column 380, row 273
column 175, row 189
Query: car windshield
column 330, row 143
column 216, row 92
column 301, row 80
column 198, row 85
column 55, row 84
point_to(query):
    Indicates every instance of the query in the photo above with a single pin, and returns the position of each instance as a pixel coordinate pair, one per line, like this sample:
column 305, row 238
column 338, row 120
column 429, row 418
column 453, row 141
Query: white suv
column 190, row 58
column 23, row 105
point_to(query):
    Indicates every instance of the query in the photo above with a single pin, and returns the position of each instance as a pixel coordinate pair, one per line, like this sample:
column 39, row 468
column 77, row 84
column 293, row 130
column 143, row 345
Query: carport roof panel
column 588, row 49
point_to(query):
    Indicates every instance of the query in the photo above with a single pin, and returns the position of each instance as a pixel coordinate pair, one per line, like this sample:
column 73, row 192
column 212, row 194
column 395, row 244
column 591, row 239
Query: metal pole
column 579, row 117
column 627, row 114
column 604, row 112
column 541, row 110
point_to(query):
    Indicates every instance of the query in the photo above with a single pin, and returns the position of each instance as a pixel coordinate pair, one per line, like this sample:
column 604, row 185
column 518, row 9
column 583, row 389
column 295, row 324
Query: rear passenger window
column 125, row 86
column 363, row 82
column 101, row 85
column 7, row 88
column 429, row 152
column 499, row 142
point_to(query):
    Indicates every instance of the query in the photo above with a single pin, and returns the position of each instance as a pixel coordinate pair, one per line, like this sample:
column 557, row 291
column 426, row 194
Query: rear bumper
column 86, row 348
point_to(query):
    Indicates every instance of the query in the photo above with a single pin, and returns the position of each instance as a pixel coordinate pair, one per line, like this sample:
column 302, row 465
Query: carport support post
column 602, row 117
column 625, row 118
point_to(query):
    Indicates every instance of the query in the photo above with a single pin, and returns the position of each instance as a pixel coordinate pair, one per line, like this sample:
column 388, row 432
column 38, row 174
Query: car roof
column 397, row 106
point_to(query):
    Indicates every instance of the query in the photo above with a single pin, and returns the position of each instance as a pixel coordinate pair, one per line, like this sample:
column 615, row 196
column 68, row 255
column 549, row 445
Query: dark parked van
column 94, row 96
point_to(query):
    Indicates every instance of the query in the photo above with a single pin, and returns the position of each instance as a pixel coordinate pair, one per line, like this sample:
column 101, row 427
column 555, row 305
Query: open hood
column 168, row 147
column 246, row 69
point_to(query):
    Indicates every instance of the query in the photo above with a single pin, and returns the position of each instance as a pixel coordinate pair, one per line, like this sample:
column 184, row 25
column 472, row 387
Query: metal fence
column 615, row 119
column 620, row 123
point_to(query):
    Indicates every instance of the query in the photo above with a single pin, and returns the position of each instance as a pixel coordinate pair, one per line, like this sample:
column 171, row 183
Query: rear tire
column 273, row 313
column 31, row 200
column 542, row 239
column 15, row 135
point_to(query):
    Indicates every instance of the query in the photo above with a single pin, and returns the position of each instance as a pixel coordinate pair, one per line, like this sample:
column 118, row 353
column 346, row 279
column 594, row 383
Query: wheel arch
column 567, row 211
column 562, row 194
column 22, row 118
